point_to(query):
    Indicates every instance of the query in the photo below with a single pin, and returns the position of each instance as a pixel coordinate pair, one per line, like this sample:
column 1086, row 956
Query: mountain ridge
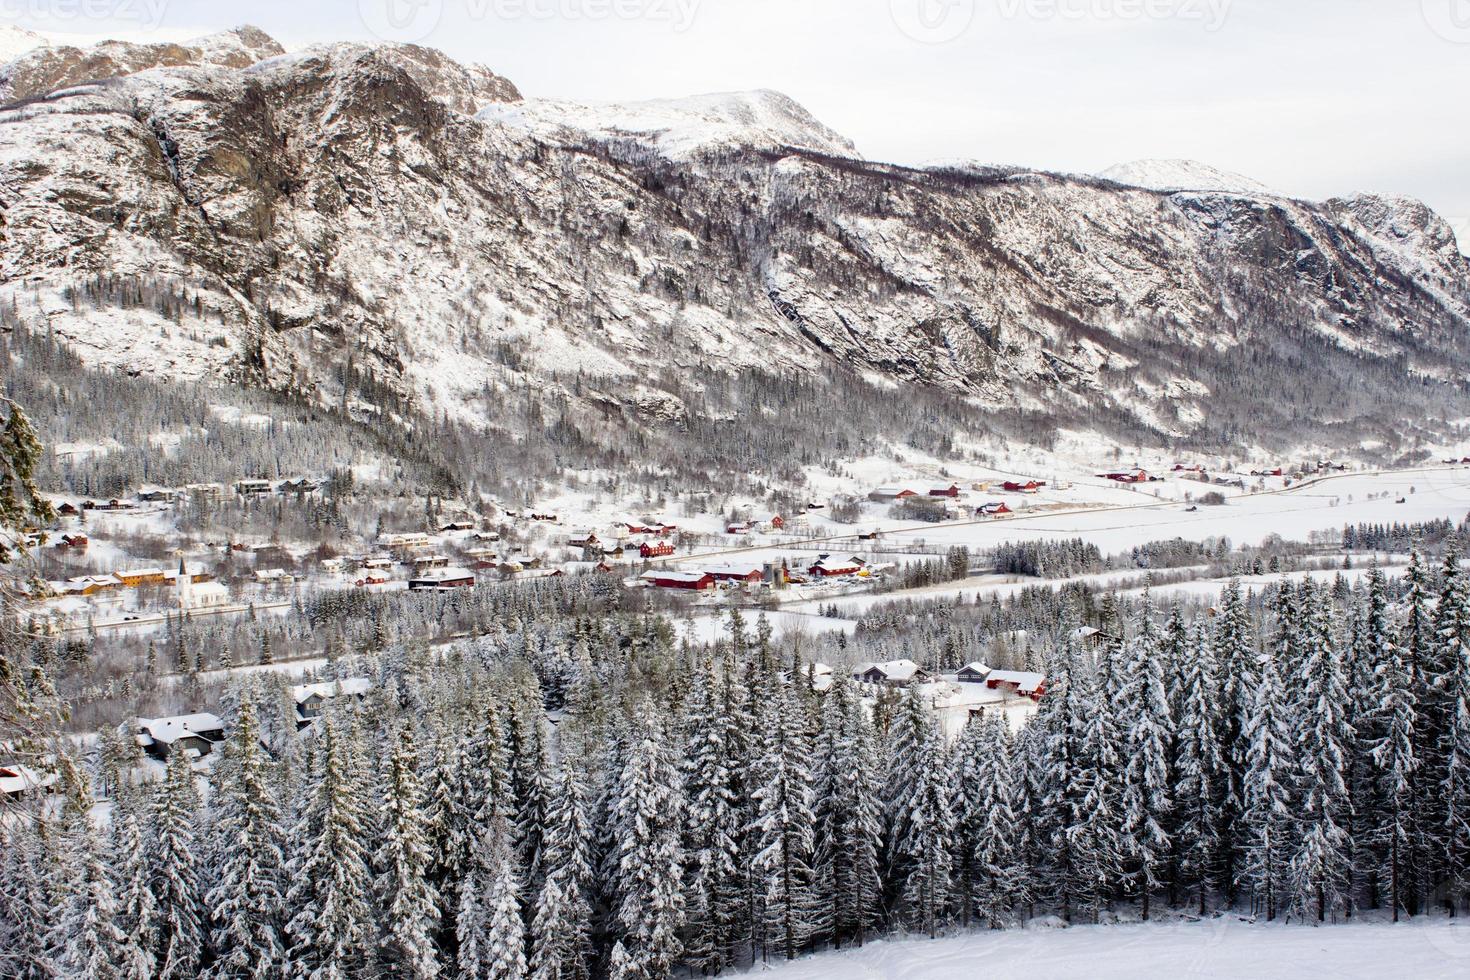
column 367, row 221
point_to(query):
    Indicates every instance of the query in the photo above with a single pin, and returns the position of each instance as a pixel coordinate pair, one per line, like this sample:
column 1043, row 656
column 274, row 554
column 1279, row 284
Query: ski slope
column 1225, row 948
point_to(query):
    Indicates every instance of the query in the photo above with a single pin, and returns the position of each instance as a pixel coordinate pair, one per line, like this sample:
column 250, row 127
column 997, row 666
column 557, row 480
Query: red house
column 778, row 522
column 951, row 490
column 1026, row 684
column 688, row 581
column 655, row 549
column 1030, row 486
column 1126, row 476
column 992, row 510
column 737, row 573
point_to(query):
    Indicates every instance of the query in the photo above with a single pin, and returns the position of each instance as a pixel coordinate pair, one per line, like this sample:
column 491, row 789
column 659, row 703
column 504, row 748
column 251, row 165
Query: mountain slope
column 386, row 228
column 1183, row 175
column 16, row 41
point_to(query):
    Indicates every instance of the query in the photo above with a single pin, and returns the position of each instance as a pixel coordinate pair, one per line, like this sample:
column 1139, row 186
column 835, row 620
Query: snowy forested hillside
column 394, row 232
column 1297, row 756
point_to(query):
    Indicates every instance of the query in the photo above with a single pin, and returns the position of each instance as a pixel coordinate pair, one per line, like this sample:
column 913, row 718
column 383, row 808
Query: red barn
column 688, row 581
column 1030, row 486
column 778, row 522
column 951, row 490
column 655, row 549
column 737, row 573
column 834, row 568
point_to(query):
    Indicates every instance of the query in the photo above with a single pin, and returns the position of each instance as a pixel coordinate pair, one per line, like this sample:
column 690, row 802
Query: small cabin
column 975, row 673
column 196, row 734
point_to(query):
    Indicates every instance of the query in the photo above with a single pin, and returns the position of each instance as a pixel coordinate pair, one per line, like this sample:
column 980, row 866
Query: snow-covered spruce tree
column 528, row 737
column 331, row 929
column 1096, row 822
column 783, row 823
column 911, row 729
column 27, row 907
column 926, row 849
column 993, row 846
column 1235, row 657
column 1455, row 786
column 94, row 947
column 450, row 818
column 1319, row 866
column 1393, row 826
column 137, row 906
column 173, row 871
column 649, row 873
column 712, row 834
column 848, row 816
column 498, row 879
column 1199, row 776
column 1445, row 816
column 561, row 928
column 405, row 894
column 1268, row 778
column 1146, row 802
column 247, row 897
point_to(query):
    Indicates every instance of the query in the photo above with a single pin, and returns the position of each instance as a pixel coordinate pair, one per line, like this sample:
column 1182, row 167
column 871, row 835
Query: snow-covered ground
column 1224, row 948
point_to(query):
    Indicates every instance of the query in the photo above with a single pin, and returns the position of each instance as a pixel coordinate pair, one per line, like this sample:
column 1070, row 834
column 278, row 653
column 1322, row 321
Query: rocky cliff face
column 364, row 221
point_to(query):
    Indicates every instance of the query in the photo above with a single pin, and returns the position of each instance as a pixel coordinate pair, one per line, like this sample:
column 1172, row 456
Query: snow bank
column 1223, row 948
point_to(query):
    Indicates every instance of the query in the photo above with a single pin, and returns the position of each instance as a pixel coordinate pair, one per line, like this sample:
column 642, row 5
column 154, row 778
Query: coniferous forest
column 574, row 797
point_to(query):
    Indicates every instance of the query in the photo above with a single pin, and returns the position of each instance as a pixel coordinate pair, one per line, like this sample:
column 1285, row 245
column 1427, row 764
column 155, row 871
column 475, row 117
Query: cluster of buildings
column 775, row 575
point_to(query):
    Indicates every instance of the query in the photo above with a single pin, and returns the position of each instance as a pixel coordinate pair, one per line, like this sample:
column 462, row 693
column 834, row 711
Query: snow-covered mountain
column 679, row 128
column 366, row 222
column 16, row 41
column 1183, row 175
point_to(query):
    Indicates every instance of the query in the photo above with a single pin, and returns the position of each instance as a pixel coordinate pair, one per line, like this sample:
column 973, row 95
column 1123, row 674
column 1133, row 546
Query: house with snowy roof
column 196, row 734
column 894, row 673
column 311, row 699
column 1027, row 684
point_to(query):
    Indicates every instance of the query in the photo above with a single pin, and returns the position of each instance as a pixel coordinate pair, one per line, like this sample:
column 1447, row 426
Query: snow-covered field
column 1225, row 948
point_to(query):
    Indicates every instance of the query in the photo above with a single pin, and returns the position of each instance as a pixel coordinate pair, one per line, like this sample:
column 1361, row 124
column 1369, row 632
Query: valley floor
column 1221, row 949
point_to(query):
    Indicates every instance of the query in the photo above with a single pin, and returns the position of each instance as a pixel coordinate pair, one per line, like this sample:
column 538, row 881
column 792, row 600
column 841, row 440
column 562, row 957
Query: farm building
column 950, row 490
column 828, row 567
column 1022, row 486
column 893, row 493
column 1024, row 683
column 655, row 549
column 688, row 581
column 442, row 580
column 999, row 509
column 737, row 573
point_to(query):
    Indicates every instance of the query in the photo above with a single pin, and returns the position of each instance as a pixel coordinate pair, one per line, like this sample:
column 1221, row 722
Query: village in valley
column 145, row 568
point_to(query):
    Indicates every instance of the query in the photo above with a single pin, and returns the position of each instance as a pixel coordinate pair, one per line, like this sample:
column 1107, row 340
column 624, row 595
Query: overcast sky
column 1312, row 97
